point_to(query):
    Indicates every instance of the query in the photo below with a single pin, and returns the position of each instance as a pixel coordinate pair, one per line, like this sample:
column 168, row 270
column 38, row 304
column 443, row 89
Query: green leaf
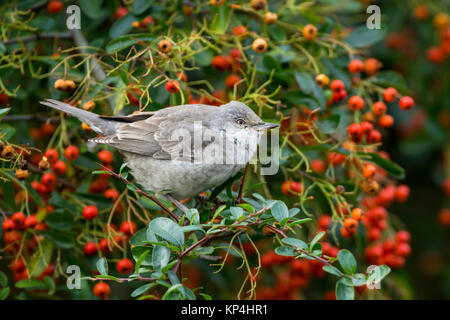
column 359, row 279
column 193, row 216
column 168, row 230
column 391, row 79
column 4, row 293
column 390, row 167
column 280, row 210
column 297, row 243
column 293, row 212
column 377, row 274
column 140, row 6
column 137, row 292
column 220, row 17
column 347, row 261
column 91, row 8
column 277, row 32
column 3, row 279
column 128, row 41
column 285, row 251
column 60, row 239
column 160, row 257
column 60, row 220
column 333, row 270
column 330, row 124
column 102, row 266
column 4, row 112
column 316, row 239
column 139, row 238
column 365, row 37
column 30, row 284
column 122, row 26
column 344, row 291
column 305, row 82
column 236, row 212
column 40, row 259
column 141, row 259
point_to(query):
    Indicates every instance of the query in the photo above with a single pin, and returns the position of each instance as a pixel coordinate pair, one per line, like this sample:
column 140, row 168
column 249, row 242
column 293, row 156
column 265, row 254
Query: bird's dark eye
column 240, row 121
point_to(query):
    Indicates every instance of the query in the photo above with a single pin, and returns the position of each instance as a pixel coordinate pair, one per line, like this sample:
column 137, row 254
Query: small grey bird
column 179, row 151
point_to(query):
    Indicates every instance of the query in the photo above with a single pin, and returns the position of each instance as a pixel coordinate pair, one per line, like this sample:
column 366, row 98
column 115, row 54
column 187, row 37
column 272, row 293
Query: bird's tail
column 103, row 126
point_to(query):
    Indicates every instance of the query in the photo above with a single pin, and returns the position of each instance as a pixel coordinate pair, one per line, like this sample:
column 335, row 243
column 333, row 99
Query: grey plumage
column 149, row 142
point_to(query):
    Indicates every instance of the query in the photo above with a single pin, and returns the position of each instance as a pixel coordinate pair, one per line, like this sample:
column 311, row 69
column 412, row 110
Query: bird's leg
column 177, row 203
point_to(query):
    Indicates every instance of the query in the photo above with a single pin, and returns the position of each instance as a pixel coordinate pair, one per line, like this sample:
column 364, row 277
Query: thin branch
column 39, row 36
column 167, row 210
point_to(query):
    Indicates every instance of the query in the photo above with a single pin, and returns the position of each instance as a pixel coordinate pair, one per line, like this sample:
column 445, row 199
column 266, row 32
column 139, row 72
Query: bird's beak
column 266, row 126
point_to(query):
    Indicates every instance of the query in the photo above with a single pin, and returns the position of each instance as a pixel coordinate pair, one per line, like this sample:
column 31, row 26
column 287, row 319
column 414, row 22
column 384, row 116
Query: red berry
column 120, row 12
column 59, row 167
column 403, row 236
column 403, row 249
column 446, row 186
column 379, row 108
column 71, row 153
column 374, row 136
column 55, row 6
column 102, row 290
column 231, row 80
column 324, row 222
column 402, row 193
column 390, row 95
column 105, row 156
column 406, row 103
column 17, row 265
column 356, row 66
column 124, row 266
column 173, row 86
column 90, row 212
column 19, row 220
column 8, row 225
column 104, row 245
column 443, row 217
column 51, row 155
column 337, row 85
column 374, row 234
column 128, row 227
column 49, row 180
column 222, row 63
column 291, row 188
column 30, row 222
column 235, row 54
column 90, row 249
column 317, row 166
column 366, row 127
column 355, row 132
column 356, row 103
column 112, row 194
column 239, row 31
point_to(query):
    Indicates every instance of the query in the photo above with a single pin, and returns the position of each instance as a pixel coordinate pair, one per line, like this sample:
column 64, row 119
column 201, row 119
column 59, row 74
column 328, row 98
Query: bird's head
column 238, row 116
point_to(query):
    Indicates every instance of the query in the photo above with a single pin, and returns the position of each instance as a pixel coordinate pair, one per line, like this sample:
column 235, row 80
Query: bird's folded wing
column 162, row 138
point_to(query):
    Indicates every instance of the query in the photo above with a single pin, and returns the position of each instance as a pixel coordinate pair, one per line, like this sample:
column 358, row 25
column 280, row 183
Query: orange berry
column 59, row 167
column 351, row 224
column 406, row 103
column 105, row 156
column 322, row 80
column 356, row 103
column 390, row 95
column 369, row 170
column 259, row 45
column 379, row 108
column 371, row 66
column 357, row 213
column 164, row 46
column 231, row 80
column 386, row 121
column 309, row 32
column 240, row 31
column 356, row 66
